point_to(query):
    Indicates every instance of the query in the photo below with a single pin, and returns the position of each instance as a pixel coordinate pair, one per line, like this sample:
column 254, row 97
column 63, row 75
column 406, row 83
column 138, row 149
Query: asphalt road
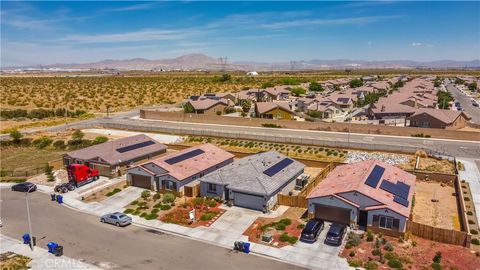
column 107, row 246
column 464, row 100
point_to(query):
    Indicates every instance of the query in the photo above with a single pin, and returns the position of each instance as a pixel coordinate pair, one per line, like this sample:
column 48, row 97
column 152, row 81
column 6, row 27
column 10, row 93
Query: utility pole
column 28, row 217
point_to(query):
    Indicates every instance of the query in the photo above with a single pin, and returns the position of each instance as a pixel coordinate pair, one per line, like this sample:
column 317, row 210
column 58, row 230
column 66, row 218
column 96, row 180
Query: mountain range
column 204, row 62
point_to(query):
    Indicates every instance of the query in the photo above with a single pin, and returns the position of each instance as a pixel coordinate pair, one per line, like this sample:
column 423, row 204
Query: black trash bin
column 53, row 197
column 58, row 251
column 34, row 240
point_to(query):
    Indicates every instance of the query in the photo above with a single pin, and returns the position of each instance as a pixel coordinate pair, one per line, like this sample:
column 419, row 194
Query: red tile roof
column 351, row 177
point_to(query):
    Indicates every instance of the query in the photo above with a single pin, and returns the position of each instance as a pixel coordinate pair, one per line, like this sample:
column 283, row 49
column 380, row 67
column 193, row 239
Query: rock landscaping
column 206, row 212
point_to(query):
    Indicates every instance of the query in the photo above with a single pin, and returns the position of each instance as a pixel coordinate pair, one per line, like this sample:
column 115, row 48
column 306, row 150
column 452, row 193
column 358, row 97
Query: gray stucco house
column 254, row 181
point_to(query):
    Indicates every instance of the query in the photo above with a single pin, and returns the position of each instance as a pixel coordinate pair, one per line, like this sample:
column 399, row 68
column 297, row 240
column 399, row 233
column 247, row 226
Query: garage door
column 141, row 181
column 248, row 201
column 333, row 214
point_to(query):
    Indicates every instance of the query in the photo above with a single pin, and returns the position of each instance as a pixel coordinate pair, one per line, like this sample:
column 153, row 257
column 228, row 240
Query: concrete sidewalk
column 41, row 259
column 471, row 175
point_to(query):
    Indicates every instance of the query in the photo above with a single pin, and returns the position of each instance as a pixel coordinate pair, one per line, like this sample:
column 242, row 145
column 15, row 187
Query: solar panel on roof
column 184, row 156
column 282, row 164
column 399, row 189
column 134, row 146
column 374, row 176
column 401, row 201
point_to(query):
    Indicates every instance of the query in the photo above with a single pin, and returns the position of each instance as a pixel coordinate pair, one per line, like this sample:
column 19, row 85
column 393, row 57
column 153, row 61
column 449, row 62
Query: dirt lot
column 442, row 214
column 430, row 165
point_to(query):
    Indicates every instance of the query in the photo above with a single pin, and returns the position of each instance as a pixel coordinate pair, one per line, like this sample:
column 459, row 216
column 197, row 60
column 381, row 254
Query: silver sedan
column 118, row 219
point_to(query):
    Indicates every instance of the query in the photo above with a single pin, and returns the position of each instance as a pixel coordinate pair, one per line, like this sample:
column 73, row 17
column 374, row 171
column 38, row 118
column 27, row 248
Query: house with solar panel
column 369, row 194
column 112, row 158
column 173, row 171
column 253, row 181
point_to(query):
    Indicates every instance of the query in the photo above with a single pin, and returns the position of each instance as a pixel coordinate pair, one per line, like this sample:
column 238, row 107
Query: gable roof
column 445, row 116
column 207, row 103
column 264, row 107
column 248, row 174
column 352, row 177
column 205, row 156
column 108, row 151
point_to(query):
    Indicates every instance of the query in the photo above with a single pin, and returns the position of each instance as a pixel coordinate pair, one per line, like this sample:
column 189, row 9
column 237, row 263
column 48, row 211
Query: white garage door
column 248, row 201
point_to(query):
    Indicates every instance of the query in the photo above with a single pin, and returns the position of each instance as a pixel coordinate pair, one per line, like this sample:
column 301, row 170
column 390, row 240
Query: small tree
column 145, row 195
column 48, row 169
column 16, row 136
column 297, row 91
column 100, row 139
column 315, row 87
column 356, row 83
column 188, row 108
column 246, row 105
column 78, row 135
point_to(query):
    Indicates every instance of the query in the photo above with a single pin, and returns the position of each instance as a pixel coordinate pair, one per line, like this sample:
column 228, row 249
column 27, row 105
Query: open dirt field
column 442, row 214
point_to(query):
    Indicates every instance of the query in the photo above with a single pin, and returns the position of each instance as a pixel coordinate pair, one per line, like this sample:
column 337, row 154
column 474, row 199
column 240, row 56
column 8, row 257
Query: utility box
column 267, row 238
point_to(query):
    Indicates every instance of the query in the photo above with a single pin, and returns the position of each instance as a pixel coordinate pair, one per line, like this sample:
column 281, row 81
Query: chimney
column 383, row 108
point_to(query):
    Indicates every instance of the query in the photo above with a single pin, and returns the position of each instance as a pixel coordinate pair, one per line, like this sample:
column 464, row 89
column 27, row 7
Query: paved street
column 106, row 246
column 464, row 100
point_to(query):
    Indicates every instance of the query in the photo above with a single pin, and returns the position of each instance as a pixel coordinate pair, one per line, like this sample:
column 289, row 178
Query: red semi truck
column 78, row 175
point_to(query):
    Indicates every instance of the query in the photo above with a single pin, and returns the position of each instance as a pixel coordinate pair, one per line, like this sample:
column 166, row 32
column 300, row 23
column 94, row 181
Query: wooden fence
column 438, row 234
column 300, row 200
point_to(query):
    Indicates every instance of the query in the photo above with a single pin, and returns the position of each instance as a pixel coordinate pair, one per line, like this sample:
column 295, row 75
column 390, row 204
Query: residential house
column 113, row 157
column 437, row 118
column 274, row 110
column 173, row 171
column 209, row 105
column 370, row 194
column 276, row 93
column 253, row 181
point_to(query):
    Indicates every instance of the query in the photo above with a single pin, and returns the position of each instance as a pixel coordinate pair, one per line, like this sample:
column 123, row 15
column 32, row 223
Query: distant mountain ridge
column 204, row 62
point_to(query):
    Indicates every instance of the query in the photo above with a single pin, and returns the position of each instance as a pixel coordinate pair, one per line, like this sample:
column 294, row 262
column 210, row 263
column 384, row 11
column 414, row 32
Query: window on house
column 385, row 222
column 169, row 185
column 212, row 187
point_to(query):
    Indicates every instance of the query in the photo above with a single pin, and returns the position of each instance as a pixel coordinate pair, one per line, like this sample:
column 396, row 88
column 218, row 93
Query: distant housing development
column 112, row 157
column 371, row 194
column 253, row 181
column 173, row 171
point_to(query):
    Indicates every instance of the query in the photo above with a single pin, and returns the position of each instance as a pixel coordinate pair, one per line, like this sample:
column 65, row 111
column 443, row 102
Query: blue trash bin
column 26, row 239
column 246, row 247
column 59, row 198
column 51, row 247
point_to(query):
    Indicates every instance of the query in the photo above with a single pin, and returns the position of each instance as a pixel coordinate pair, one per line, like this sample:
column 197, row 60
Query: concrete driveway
column 124, row 197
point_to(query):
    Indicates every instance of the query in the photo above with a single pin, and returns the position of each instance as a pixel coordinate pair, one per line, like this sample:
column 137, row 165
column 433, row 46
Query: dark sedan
column 24, row 187
column 312, row 230
column 335, row 234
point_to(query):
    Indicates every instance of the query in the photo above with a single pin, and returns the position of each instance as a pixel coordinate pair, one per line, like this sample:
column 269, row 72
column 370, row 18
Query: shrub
column 60, row 144
column 473, row 231
column 388, row 247
column 113, row 192
column 376, row 252
column 156, row 196
column 394, row 263
column 470, row 213
column 42, row 142
column 100, row 139
column 197, row 201
column 151, row 216
column 370, row 265
column 168, row 198
column 145, row 194
column 211, row 203
column 352, row 254
column 436, row 266
column 471, row 221
column 300, row 226
column 475, row 241
column 438, row 257
column 348, row 245
column 285, row 221
column 284, row 237
column 165, row 207
column 208, row 215
column 16, row 136
column 292, row 240
column 269, row 125
column 369, row 236
column 467, row 199
column 136, row 212
column 280, row 226
column 354, row 239
column 128, row 211
column 134, row 203
column 158, row 205
column 355, row 263
column 219, row 112
column 155, row 210
column 143, row 215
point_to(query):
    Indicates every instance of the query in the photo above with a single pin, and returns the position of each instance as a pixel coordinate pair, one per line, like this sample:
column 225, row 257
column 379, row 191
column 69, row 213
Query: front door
column 363, row 218
column 227, row 194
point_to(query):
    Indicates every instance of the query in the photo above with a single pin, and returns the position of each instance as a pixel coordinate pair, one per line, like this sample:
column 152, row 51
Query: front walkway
column 41, row 259
column 471, row 175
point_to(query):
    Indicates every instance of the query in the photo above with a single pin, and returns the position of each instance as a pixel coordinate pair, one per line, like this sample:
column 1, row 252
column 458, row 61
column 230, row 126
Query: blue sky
column 79, row 32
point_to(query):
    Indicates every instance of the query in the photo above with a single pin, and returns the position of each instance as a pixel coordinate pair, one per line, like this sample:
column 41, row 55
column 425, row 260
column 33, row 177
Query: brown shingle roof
column 446, row 116
column 264, row 107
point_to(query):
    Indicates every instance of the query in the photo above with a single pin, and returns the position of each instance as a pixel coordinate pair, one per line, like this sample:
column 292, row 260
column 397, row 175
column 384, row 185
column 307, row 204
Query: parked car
column 475, row 104
column 118, row 219
column 312, row 230
column 335, row 234
column 24, row 187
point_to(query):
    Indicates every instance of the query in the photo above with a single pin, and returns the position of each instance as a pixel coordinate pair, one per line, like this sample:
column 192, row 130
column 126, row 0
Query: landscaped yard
column 374, row 251
column 278, row 232
column 106, row 192
column 291, row 150
column 13, row 261
column 472, row 218
column 436, row 205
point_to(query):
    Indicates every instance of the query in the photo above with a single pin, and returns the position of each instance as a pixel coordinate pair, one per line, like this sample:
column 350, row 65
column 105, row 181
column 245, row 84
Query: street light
column 28, row 215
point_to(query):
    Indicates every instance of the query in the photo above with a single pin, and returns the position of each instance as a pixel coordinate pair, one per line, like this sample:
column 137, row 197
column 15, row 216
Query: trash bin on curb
column 51, row 247
column 246, row 247
column 238, row 245
column 58, row 251
column 26, row 239
column 53, row 196
column 59, row 198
